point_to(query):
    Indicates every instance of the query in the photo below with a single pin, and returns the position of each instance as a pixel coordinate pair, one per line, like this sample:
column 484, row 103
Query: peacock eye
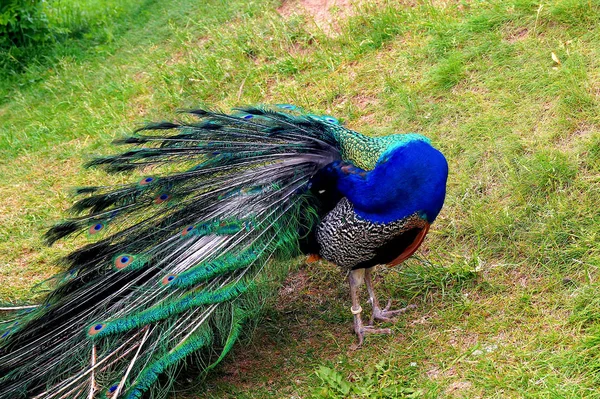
column 162, row 198
column 167, row 279
column 96, row 328
column 123, row 261
column 96, row 228
column 147, row 180
column 187, row 230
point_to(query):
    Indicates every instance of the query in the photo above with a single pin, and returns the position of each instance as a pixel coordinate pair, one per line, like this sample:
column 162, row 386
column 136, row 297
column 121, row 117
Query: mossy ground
column 507, row 282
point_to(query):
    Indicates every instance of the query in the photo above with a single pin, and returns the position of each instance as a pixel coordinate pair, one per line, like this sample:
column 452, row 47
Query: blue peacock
column 175, row 262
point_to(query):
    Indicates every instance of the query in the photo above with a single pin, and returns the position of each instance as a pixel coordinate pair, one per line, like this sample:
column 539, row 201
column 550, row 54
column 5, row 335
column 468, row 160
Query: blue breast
column 408, row 178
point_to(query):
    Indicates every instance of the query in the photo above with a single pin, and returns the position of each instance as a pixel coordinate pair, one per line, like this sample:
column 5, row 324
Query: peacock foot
column 361, row 330
column 386, row 314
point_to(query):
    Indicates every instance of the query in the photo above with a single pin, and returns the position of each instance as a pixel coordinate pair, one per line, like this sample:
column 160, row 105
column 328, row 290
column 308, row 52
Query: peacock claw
column 361, row 330
column 387, row 315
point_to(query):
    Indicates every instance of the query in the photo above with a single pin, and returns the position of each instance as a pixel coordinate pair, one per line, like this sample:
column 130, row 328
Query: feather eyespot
column 167, row 279
column 187, row 231
column 96, row 328
column 331, row 119
column 122, row 261
column 96, row 228
column 248, row 116
column 146, row 180
column 162, row 198
column 5, row 334
column 112, row 390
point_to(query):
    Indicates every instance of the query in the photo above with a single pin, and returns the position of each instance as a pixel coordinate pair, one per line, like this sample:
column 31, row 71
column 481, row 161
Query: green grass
column 507, row 281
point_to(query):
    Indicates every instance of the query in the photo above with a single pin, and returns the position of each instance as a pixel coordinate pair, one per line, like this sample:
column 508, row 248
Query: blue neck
column 407, row 179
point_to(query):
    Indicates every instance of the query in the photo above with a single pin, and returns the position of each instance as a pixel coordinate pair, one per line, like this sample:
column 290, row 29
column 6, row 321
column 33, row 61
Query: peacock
column 177, row 262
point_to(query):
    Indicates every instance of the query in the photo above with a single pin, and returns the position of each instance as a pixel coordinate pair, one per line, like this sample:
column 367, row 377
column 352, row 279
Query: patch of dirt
column 291, row 289
column 142, row 76
column 463, row 340
column 435, row 372
column 239, row 369
column 457, row 386
column 325, row 13
column 178, row 57
column 570, row 141
column 299, row 51
column 517, row 35
column 365, row 101
column 367, row 104
column 298, row 329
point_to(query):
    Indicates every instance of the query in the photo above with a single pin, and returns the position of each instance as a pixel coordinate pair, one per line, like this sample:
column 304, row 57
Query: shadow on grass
column 77, row 31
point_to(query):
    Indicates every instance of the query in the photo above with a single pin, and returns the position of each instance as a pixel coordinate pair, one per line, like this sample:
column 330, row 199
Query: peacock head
column 409, row 177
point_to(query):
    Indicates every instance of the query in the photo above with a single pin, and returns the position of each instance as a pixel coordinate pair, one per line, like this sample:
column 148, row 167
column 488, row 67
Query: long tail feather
column 172, row 256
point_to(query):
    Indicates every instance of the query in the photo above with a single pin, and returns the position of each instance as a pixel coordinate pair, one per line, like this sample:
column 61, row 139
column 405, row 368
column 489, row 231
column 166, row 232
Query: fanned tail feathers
column 175, row 256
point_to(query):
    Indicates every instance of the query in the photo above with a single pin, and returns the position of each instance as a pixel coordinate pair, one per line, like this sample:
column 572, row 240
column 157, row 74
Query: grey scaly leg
column 380, row 314
column 356, row 278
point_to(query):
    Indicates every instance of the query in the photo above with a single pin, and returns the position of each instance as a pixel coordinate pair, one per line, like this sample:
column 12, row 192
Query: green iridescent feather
column 176, row 261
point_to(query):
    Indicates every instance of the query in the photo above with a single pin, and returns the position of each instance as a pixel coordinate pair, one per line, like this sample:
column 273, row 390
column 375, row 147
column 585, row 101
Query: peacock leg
column 380, row 314
column 356, row 278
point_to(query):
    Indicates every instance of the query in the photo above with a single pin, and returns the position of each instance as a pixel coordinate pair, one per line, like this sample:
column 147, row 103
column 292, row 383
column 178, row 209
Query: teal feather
column 239, row 317
column 168, row 309
column 130, row 262
column 151, row 372
column 205, row 271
